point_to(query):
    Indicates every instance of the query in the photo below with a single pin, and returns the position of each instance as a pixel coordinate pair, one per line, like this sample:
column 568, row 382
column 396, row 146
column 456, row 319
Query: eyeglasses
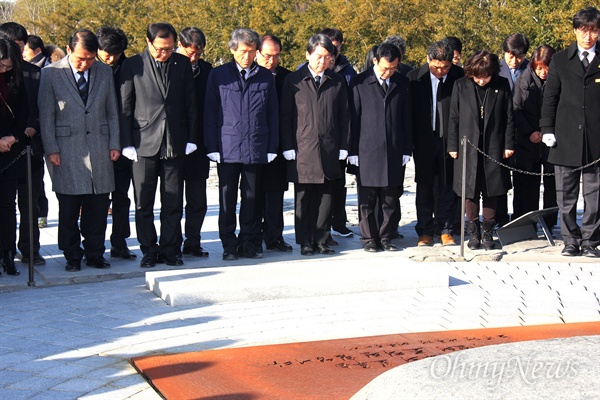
column 592, row 33
column 162, row 51
column 270, row 56
column 6, row 67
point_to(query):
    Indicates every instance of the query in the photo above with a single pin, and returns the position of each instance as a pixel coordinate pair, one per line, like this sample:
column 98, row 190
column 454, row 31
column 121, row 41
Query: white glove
column 343, row 154
column 549, row 139
column 190, row 148
column 289, row 155
column 271, row 156
column 215, row 157
column 130, row 153
column 353, row 160
column 405, row 160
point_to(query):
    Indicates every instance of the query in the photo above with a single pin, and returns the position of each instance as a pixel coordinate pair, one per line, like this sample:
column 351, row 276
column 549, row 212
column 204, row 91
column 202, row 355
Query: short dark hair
column 588, row 17
column 9, row 50
column 441, row 51
column 162, row 30
column 482, row 64
column 86, row 39
column 192, row 36
column 13, row 31
column 541, row 56
column 272, row 38
column 388, row 51
column 515, row 44
column 370, row 56
column 333, row 34
column 35, row 42
column 455, row 43
column 397, row 41
column 321, row 40
column 245, row 36
column 111, row 40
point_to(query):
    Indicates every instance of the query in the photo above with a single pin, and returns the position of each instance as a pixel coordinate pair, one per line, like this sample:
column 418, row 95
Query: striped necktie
column 82, row 85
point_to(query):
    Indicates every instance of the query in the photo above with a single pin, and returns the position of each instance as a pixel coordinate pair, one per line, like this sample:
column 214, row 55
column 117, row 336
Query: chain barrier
column 529, row 172
column 10, row 164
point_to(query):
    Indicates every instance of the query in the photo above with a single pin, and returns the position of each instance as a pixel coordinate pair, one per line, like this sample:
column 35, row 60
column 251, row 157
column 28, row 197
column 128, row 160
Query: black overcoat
column 315, row 123
column 422, row 108
column 498, row 134
column 381, row 128
column 571, row 108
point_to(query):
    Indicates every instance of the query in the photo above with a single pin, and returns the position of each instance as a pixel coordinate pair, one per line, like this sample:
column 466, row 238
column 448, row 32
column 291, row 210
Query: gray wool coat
column 83, row 134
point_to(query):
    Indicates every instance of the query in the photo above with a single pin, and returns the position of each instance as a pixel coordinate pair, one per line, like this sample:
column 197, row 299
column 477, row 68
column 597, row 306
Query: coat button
column 87, row 133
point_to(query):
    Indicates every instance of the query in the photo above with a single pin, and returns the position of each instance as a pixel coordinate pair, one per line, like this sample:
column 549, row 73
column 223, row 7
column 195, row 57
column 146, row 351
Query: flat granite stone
column 565, row 369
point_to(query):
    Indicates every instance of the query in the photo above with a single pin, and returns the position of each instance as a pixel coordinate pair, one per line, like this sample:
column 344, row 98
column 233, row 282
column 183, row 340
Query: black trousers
column 371, row 201
column 146, row 174
column 195, row 210
column 567, row 193
column 42, row 203
column 234, row 176
column 395, row 220
column 527, row 192
column 313, row 212
column 121, row 229
column 8, row 214
column 92, row 227
column 272, row 211
column 338, row 201
column 37, row 186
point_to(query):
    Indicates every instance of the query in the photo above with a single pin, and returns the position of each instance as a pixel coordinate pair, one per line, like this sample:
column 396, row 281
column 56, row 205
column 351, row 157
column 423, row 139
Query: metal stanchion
column 462, row 196
column 31, row 281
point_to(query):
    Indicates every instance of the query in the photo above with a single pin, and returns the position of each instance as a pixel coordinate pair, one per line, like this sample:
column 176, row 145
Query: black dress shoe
column 397, row 235
column 570, row 250
column 371, row 246
column 250, row 252
column 195, row 251
column 307, row 250
column 149, row 260
column 171, row 260
column 387, row 245
column 229, row 255
column 124, row 253
column 331, row 241
column 589, row 251
column 37, row 259
column 73, row 266
column 279, row 245
column 324, row 249
column 98, row 262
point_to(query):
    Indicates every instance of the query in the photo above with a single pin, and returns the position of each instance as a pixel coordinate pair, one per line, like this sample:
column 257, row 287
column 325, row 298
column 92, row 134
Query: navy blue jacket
column 241, row 119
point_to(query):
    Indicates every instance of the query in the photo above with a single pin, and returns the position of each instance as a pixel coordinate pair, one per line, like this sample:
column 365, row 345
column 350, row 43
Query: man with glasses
column 191, row 44
column 381, row 144
column 275, row 181
column 241, row 134
column 158, row 128
column 570, row 125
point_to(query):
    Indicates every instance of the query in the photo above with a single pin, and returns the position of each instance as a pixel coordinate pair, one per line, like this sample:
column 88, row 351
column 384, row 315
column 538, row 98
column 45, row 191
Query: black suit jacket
column 147, row 114
column 422, row 134
column 197, row 165
column 571, row 108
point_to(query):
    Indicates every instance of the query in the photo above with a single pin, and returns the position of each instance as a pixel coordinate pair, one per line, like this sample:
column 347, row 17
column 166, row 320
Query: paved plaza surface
column 71, row 335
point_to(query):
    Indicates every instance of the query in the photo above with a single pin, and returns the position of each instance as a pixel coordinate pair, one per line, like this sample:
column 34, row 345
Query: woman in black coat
column 530, row 153
column 13, row 121
column 481, row 109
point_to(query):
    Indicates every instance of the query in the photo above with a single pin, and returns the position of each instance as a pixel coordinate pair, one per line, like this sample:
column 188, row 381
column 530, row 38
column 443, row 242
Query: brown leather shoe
column 447, row 240
column 425, row 240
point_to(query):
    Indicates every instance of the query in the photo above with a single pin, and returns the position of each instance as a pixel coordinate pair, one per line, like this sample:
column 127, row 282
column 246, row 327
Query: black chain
column 10, row 164
column 529, row 172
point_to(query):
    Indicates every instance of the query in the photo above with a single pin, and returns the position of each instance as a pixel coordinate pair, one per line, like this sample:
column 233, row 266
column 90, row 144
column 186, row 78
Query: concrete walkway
column 71, row 335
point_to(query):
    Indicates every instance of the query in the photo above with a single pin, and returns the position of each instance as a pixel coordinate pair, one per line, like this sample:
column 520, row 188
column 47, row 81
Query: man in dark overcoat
column 431, row 90
column 570, row 125
column 315, row 132
column 381, row 132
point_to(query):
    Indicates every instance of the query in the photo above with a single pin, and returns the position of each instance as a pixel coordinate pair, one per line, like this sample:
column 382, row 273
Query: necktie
column 585, row 60
column 384, row 85
column 438, row 107
column 514, row 73
column 82, row 85
column 243, row 73
column 317, row 81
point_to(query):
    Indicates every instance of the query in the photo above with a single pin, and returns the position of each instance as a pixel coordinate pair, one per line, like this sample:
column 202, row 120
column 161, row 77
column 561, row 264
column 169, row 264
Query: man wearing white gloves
column 158, row 128
column 381, row 142
column 241, row 134
column 315, row 132
column 570, row 125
